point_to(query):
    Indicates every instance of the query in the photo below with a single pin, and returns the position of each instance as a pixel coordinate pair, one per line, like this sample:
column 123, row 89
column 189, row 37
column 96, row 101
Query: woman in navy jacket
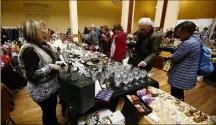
column 183, row 75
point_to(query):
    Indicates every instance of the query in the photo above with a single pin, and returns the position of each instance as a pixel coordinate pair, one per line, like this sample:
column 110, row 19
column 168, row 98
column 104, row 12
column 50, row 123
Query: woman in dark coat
column 106, row 40
column 183, row 74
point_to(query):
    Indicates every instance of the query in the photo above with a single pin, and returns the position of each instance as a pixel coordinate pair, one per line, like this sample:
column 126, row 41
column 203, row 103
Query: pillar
column 130, row 15
column 171, row 14
column 158, row 14
column 73, row 17
column 124, row 16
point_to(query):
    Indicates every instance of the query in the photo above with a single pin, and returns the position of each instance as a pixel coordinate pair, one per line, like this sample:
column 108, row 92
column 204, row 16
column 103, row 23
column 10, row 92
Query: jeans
column 178, row 93
column 48, row 107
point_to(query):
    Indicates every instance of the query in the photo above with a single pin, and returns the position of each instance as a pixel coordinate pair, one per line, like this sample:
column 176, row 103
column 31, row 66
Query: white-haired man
column 148, row 45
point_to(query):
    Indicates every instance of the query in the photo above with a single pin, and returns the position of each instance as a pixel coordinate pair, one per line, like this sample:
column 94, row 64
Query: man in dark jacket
column 148, row 45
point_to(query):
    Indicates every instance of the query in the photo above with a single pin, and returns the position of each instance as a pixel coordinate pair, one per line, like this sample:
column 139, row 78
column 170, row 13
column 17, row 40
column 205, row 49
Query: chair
column 7, row 104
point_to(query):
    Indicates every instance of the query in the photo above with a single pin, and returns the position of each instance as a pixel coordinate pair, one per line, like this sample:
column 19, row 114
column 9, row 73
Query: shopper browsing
column 213, row 36
column 37, row 61
column 94, row 41
column 147, row 46
column 183, row 74
column 106, row 39
column 118, row 48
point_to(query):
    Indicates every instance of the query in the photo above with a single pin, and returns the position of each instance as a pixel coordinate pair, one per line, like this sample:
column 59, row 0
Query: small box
column 77, row 91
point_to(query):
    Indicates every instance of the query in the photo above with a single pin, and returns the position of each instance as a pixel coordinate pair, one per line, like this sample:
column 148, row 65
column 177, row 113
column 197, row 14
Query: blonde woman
column 37, row 62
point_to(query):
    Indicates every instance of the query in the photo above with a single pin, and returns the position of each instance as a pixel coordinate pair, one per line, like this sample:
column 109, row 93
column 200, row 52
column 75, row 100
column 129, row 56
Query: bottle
column 69, row 66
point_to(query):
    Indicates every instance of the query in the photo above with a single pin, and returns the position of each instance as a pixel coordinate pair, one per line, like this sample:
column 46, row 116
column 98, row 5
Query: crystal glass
column 181, row 108
column 111, row 69
column 143, row 74
column 107, row 72
column 137, row 76
column 117, row 79
column 149, row 77
column 127, row 68
column 125, row 81
column 157, row 105
column 94, row 76
column 107, row 75
column 135, row 69
column 131, row 78
column 101, row 78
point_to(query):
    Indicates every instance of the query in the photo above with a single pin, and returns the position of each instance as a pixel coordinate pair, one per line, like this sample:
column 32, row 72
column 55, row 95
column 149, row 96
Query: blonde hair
column 32, row 31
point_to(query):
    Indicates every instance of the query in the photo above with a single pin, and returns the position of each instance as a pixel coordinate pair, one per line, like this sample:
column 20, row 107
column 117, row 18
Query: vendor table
column 166, row 113
column 118, row 93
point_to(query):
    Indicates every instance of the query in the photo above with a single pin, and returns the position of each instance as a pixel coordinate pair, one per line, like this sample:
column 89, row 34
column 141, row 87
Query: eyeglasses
column 144, row 28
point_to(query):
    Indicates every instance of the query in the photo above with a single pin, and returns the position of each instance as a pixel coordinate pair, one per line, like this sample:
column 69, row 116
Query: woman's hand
column 55, row 67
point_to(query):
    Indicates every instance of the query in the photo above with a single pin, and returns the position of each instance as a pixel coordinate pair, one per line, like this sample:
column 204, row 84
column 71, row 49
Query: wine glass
column 125, row 81
column 94, row 75
column 107, row 72
column 149, row 77
column 142, row 75
column 135, row 68
column 101, row 78
column 117, row 79
column 137, row 76
column 112, row 69
column 131, row 78
column 157, row 105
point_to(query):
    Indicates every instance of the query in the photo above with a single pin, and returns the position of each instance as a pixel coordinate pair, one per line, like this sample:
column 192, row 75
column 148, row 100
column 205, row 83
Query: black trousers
column 48, row 107
column 178, row 93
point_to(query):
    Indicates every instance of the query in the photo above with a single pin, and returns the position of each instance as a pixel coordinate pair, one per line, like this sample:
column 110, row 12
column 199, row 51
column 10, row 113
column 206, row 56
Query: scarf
column 113, row 47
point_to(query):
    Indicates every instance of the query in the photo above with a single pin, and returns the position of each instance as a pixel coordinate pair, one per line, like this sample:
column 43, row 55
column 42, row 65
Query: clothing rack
column 11, row 33
column 11, row 27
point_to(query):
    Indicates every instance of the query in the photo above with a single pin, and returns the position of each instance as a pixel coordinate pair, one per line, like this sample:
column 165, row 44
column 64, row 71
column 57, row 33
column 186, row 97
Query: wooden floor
column 203, row 97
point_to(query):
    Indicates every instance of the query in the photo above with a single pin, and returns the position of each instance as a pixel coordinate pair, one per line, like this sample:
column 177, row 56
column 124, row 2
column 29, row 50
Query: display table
column 118, row 93
column 170, row 111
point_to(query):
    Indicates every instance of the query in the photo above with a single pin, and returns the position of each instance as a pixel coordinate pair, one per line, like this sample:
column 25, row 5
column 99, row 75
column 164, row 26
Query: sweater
column 94, row 38
column 183, row 74
column 42, row 79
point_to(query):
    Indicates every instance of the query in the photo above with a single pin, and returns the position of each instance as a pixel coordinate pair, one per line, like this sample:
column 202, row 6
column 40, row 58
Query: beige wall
column 89, row 12
column 144, row 8
column 197, row 9
column 99, row 13
column 13, row 14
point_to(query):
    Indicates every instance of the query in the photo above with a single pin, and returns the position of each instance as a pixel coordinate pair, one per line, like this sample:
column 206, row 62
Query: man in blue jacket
column 183, row 74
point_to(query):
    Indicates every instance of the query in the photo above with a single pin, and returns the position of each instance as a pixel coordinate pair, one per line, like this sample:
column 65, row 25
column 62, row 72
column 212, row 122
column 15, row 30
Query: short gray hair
column 144, row 21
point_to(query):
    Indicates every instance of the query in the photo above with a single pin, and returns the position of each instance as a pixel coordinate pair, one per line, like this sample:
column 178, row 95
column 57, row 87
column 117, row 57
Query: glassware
column 137, row 76
column 149, row 77
column 111, row 69
column 157, row 105
column 117, row 79
column 107, row 74
column 131, row 78
column 135, row 68
column 101, row 78
column 94, row 75
column 125, row 81
column 143, row 74
column 181, row 108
